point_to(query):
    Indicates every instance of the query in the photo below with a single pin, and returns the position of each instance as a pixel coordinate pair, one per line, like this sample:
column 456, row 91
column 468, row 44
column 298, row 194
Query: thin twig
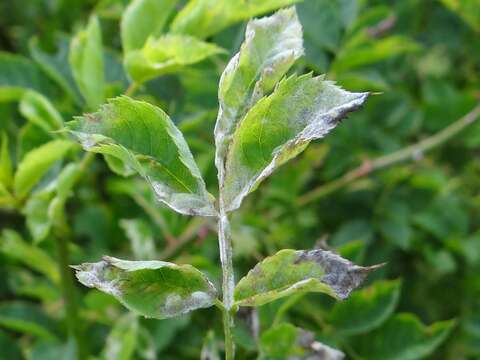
column 132, row 88
column 414, row 152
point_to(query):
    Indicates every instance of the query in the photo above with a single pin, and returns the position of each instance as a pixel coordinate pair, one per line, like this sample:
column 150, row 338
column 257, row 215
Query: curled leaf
column 154, row 289
column 290, row 271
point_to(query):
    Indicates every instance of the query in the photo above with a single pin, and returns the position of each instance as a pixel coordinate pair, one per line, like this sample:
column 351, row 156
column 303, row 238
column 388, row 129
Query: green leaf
column 210, row 348
column 37, row 109
column 45, row 207
column 154, row 289
column 291, row 271
column 56, row 65
column 468, row 10
column 14, row 247
column 286, row 341
column 26, row 318
column 167, row 54
column 10, row 349
column 142, row 19
column 271, row 46
column 48, row 350
column 279, row 127
column 140, row 235
column 18, row 74
column 122, row 340
column 143, row 136
column 403, row 337
column 86, row 61
column 36, row 164
column 369, row 51
column 365, row 309
column 204, row 18
column 6, row 174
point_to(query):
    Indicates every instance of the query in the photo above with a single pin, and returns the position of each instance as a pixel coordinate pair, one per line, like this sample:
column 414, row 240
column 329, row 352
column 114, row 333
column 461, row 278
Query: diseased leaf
column 14, row 247
column 122, row 340
column 37, row 109
column 143, row 137
column 86, row 61
column 204, row 18
column 167, row 54
column 144, row 18
column 26, row 318
column 36, row 163
column 18, row 74
column 271, row 46
column 290, row 271
column 286, row 341
column 366, row 309
column 403, row 337
column 141, row 238
column 154, row 289
column 279, row 127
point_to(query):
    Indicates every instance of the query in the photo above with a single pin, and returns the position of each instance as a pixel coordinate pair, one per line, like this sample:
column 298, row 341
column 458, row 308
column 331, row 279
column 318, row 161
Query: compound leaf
column 167, row 54
column 271, row 46
column 366, row 309
column 403, row 337
column 153, row 289
column 290, row 271
column 144, row 18
column 144, row 138
column 86, row 61
column 279, row 127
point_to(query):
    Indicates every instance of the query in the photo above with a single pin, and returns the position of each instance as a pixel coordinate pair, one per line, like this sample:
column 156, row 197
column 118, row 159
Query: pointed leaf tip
column 291, row 271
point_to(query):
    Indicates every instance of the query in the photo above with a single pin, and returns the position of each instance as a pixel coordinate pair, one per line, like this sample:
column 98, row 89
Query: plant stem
column 228, row 281
column 414, row 151
column 132, row 88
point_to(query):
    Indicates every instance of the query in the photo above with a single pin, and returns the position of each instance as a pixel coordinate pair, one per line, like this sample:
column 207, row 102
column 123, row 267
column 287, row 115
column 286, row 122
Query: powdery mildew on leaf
column 279, row 127
column 271, row 46
column 144, row 138
column 291, row 271
column 154, row 289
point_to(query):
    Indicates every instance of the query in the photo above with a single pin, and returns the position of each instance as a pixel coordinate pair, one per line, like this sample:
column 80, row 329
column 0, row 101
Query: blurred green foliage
column 420, row 216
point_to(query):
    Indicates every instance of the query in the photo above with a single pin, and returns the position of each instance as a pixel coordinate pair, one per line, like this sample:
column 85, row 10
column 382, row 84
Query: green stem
column 414, row 151
column 132, row 88
column 228, row 281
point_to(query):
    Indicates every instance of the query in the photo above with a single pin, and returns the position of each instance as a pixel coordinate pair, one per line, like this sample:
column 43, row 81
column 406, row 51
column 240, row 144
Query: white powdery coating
column 320, row 122
column 176, row 305
column 341, row 275
column 91, row 275
column 287, row 47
